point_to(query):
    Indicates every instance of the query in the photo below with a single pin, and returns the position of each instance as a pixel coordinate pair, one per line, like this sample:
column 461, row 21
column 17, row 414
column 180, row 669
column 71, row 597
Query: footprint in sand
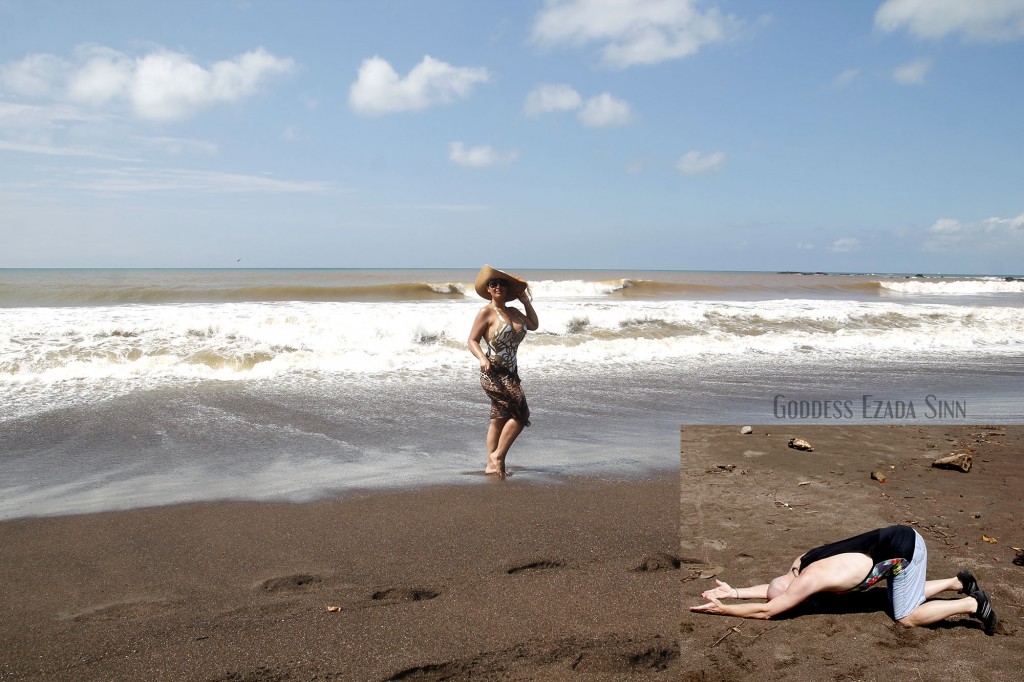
column 399, row 594
column 627, row 658
column 610, row 655
column 662, row 561
column 122, row 610
column 298, row 582
column 535, row 566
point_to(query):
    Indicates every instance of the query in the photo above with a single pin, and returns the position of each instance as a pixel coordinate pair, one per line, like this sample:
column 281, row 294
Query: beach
column 751, row 504
column 195, row 465
column 502, row 581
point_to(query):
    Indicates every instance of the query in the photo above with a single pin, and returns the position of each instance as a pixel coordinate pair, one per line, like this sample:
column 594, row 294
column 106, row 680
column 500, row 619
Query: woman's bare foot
column 495, row 466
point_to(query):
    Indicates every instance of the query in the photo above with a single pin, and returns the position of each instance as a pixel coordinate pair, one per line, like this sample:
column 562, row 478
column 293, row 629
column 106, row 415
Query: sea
column 130, row 388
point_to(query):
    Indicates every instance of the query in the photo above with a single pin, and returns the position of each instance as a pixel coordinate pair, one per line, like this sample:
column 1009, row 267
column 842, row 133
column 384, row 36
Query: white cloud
column 105, row 75
column 695, row 163
column 455, row 208
column 633, row 31
column 69, row 130
column 913, row 72
column 162, row 85
column 47, row 148
column 805, row 246
column 135, row 180
column 597, row 112
column 378, row 88
column 175, row 146
column 36, row 75
column 845, row 245
column 552, row 97
column 605, row 110
column 636, row 166
column 481, row 156
column 42, row 117
column 950, row 234
column 982, row 21
column 168, row 85
column 845, row 78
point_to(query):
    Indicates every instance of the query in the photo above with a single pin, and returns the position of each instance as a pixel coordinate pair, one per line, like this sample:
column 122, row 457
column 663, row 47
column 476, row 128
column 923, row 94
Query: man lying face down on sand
column 896, row 553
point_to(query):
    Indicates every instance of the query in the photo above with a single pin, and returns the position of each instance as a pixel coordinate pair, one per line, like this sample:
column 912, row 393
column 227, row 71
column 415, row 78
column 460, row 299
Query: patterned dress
column 501, row 383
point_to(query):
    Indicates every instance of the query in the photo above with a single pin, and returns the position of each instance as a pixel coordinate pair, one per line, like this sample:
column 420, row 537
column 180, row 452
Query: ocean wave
column 970, row 287
column 63, row 356
column 133, row 294
column 577, row 288
column 69, row 289
column 241, row 341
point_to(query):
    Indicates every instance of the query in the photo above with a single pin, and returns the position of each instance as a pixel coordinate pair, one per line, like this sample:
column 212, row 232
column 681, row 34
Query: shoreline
column 513, row 580
column 520, row 475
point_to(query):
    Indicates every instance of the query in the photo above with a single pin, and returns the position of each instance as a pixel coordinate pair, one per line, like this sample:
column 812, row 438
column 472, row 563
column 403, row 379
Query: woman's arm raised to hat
column 532, row 321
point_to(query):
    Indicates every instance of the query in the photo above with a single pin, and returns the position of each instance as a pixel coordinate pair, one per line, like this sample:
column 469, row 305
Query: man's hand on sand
column 722, row 591
column 713, row 606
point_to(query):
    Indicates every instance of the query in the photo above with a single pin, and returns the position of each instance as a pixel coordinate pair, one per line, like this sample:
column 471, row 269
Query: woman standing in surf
column 501, row 329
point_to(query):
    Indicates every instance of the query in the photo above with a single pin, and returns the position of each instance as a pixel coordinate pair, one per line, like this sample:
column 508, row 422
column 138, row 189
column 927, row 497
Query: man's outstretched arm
column 800, row 589
column 724, row 590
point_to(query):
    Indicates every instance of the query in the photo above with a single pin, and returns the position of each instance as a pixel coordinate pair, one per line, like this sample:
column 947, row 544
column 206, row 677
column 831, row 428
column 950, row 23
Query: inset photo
column 848, row 552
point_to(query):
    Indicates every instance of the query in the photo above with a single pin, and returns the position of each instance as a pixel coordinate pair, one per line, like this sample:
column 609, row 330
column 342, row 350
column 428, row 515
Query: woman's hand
column 722, row 591
column 531, row 319
column 485, row 365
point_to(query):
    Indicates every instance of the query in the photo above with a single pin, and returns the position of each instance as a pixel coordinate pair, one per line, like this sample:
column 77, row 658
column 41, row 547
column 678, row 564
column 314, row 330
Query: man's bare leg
column 939, row 609
column 934, row 611
column 933, row 587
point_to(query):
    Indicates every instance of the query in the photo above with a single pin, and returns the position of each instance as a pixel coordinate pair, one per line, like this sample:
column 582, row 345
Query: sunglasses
column 495, row 283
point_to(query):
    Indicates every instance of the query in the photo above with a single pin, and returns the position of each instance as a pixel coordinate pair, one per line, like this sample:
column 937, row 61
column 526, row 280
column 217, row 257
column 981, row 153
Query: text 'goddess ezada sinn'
column 869, row 406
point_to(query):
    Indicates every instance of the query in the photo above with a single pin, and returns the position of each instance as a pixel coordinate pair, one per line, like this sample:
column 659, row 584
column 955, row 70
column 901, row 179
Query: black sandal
column 985, row 613
column 967, row 581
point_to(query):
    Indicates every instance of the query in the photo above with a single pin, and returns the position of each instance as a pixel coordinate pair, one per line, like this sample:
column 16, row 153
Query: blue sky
column 880, row 136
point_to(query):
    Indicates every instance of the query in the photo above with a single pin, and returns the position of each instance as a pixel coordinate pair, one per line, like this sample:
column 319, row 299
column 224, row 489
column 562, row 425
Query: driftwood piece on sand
column 959, row 462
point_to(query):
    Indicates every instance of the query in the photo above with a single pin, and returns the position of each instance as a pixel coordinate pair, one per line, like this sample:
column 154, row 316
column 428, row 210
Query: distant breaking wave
column 578, row 288
column 972, row 287
column 79, row 295
column 102, row 295
column 57, row 292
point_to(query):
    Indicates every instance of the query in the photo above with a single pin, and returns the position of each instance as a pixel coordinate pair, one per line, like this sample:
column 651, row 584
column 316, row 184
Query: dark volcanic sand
column 754, row 519
column 510, row 580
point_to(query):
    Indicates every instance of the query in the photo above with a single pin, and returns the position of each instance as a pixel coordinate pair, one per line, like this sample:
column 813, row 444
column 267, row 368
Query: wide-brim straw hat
column 516, row 286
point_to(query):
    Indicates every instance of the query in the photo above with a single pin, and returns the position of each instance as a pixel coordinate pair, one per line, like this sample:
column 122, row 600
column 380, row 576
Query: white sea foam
column 98, row 351
column 452, row 288
column 574, row 288
column 970, row 287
